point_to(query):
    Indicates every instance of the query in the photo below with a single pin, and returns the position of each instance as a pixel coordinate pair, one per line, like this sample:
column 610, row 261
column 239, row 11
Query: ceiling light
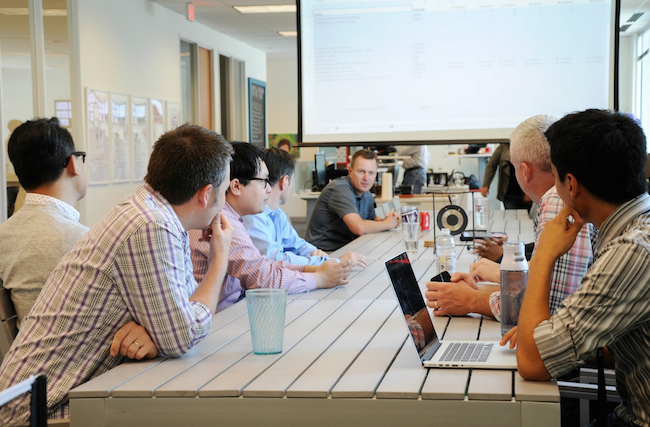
column 278, row 8
column 288, row 33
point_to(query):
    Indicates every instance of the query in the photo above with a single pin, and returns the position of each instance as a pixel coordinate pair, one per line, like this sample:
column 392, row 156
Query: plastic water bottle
column 481, row 212
column 446, row 252
column 514, row 275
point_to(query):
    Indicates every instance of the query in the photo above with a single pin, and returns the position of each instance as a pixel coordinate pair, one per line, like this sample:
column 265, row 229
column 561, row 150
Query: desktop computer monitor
column 320, row 172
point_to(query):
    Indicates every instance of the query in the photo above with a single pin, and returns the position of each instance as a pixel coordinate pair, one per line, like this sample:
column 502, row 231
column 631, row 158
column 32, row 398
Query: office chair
column 8, row 320
column 37, row 385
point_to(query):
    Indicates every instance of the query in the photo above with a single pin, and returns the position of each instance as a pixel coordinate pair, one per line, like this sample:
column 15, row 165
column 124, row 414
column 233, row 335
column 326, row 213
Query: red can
column 424, row 220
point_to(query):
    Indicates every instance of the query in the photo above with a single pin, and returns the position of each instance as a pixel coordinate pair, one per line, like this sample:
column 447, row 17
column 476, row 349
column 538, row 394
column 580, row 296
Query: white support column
column 76, row 90
column 37, row 42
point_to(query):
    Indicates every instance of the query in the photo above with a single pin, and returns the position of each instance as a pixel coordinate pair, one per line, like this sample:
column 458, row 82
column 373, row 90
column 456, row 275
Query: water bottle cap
column 445, row 231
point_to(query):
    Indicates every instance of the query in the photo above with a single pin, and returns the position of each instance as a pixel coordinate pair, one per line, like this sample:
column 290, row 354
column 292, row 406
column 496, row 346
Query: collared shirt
column 247, row 269
column 42, row 199
column 611, row 308
column 326, row 229
column 570, row 267
column 32, row 242
column 133, row 265
column 274, row 236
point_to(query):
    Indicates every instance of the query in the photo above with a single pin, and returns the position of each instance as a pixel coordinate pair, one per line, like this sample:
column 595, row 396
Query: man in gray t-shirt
column 345, row 208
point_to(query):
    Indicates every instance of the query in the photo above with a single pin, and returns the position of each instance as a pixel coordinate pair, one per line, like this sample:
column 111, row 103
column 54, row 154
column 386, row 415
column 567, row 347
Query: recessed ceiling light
column 23, row 11
column 278, row 8
column 288, row 33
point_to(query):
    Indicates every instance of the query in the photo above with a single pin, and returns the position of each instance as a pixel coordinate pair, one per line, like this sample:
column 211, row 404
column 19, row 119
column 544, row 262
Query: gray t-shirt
column 326, row 229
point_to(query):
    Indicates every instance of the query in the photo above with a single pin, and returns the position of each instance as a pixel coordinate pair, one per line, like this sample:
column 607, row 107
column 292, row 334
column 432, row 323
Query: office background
column 133, row 47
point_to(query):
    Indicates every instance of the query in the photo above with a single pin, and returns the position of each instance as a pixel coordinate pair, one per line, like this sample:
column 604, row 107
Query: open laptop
column 433, row 352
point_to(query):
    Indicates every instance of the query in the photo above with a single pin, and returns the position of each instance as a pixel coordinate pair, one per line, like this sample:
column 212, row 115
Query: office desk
column 346, row 361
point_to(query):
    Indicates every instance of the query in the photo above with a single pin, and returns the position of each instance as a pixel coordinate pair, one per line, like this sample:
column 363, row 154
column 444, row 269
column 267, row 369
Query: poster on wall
column 158, row 119
column 285, row 141
column 141, row 136
column 121, row 137
column 97, row 139
column 257, row 112
column 174, row 119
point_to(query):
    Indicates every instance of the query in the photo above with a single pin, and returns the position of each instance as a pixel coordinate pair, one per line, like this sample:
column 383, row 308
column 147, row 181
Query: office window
column 643, row 80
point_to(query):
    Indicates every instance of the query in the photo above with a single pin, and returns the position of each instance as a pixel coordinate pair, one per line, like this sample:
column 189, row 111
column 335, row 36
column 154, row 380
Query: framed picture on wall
column 257, row 112
column 140, row 135
column 174, row 119
column 121, row 137
column 97, row 138
column 158, row 119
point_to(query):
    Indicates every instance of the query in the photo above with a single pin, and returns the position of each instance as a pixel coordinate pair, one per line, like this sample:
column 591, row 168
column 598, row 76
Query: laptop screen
column 412, row 304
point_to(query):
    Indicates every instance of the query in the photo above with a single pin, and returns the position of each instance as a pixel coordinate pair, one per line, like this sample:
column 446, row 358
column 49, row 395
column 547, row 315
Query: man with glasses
column 345, row 208
column 35, row 238
column 247, row 268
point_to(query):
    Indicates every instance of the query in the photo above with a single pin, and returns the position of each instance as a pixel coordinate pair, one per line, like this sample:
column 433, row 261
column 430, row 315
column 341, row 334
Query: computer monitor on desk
column 320, row 172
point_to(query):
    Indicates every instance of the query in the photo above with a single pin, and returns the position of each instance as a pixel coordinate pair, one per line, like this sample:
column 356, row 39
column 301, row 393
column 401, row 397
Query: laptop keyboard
column 467, row 352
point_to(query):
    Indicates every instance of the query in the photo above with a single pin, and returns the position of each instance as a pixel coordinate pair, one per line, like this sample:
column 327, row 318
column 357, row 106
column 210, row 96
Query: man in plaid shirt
column 132, row 266
column 531, row 158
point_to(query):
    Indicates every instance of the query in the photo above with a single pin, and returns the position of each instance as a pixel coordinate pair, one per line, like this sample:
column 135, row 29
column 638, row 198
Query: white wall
column 282, row 107
column 133, row 47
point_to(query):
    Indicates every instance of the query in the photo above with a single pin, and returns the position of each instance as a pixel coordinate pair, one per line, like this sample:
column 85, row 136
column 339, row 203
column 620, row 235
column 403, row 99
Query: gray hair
column 528, row 143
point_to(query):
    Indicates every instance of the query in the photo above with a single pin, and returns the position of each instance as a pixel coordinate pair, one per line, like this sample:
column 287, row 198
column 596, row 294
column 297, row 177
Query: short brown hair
column 365, row 153
column 186, row 159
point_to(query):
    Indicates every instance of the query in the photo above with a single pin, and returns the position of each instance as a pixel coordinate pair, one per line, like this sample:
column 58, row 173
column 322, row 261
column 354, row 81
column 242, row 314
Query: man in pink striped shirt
column 247, row 268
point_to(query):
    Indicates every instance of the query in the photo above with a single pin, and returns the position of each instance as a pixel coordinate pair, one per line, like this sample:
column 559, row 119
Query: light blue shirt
column 274, row 236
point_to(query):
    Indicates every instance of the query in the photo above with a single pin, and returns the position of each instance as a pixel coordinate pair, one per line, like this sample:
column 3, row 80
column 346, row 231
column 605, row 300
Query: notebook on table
column 433, row 352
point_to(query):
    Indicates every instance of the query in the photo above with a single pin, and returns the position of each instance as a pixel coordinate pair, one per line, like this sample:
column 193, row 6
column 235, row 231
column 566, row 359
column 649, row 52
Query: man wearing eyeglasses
column 247, row 268
column 345, row 208
column 37, row 236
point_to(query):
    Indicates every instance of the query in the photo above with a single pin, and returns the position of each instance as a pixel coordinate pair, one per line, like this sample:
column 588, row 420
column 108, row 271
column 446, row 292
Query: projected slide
column 412, row 70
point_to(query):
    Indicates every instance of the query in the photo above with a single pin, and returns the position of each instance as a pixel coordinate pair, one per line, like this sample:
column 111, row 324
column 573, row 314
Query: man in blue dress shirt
column 271, row 230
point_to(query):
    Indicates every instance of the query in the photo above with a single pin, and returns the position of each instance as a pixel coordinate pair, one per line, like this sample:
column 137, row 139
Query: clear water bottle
column 481, row 212
column 446, row 252
column 514, row 275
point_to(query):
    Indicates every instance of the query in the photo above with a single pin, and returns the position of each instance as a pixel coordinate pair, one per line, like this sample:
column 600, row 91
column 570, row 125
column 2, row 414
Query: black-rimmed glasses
column 264, row 180
column 81, row 154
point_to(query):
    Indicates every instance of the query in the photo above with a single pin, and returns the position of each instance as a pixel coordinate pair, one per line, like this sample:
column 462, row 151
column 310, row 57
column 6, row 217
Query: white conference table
column 346, row 360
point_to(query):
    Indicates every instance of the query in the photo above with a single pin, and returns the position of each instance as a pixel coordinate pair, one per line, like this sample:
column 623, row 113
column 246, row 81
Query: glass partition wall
column 34, row 76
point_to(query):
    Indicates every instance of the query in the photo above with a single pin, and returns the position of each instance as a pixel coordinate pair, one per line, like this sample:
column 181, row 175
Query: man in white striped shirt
column 599, row 160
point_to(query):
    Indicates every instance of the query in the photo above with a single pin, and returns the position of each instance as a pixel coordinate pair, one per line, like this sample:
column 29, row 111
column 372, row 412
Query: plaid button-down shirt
column 134, row 265
column 569, row 268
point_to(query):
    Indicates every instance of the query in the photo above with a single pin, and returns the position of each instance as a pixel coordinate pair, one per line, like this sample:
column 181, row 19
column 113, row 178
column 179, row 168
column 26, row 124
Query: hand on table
column 392, row 219
column 331, row 273
column 510, row 336
column 485, row 270
column 355, row 258
column 318, row 252
column 133, row 341
column 456, row 298
column 491, row 248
